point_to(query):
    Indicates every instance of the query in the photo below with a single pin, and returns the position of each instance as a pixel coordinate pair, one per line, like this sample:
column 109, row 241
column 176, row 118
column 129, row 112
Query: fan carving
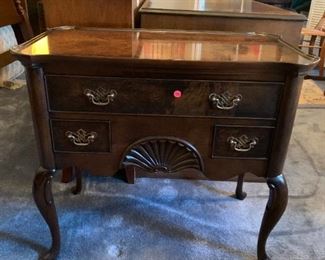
column 163, row 154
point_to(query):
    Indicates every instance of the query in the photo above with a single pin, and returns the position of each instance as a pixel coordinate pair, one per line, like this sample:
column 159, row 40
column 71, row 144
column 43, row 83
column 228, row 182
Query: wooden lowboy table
column 168, row 104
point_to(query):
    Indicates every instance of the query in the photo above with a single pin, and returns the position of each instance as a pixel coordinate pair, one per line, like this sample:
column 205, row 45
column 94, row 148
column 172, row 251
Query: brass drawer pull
column 242, row 143
column 224, row 101
column 81, row 137
column 100, row 96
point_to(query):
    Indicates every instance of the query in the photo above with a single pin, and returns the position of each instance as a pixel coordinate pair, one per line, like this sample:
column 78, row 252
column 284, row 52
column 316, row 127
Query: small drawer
column 81, row 136
column 163, row 97
column 241, row 142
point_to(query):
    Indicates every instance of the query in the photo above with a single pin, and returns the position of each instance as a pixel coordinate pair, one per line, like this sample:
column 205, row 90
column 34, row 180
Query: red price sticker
column 177, row 93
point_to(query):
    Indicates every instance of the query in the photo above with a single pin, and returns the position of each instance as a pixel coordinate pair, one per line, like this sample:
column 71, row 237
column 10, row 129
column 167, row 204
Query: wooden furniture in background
column 95, row 13
column 36, row 16
column 163, row 104
column 222, row 15
column 316, row 35
column 12, row 12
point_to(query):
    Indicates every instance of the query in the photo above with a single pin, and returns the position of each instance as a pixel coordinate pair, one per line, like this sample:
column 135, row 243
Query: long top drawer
column 163, row 97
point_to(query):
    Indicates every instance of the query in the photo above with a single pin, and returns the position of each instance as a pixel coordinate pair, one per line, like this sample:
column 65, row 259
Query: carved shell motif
column 163, row 154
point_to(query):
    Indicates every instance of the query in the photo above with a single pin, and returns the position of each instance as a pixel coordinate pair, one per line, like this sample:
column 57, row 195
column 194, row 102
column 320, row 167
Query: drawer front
column 164, row 97
column 241, row 142
column 81, row 136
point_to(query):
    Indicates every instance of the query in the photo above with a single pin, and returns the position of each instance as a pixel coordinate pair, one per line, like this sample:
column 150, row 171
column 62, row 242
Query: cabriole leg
column 78, row 175
column 67, row 175
column 240, row 194
column 275, row 207
column 42, row 192
column 130, row 174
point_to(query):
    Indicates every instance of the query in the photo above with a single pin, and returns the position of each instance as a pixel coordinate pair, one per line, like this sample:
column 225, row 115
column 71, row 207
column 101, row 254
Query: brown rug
column 311, row 95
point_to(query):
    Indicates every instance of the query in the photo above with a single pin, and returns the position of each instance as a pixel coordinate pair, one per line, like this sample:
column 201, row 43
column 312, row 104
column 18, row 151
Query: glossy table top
column 246, row 8
column 175, row 46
